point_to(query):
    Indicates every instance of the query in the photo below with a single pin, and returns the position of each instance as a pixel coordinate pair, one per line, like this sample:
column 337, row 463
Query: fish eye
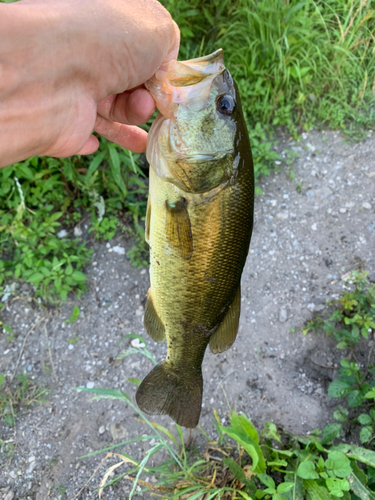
column 225, row 104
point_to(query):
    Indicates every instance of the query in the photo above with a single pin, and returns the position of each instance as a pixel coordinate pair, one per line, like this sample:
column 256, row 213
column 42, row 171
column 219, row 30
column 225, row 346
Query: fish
column 199, row 222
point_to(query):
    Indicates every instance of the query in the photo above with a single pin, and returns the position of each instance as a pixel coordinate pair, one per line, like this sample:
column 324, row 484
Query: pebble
column 282, row 215
column 101, row 429
column 143, row 271
column 311, row 307
column 118, row 431
column 283, row 315
column 309, row 193
column 119, row 250
column 342, row 210
column 9, row 496
column 90, row 385
column 366, row 205
column 78, row 232
column 137, row 343
column 62, row 233
column 313, row 227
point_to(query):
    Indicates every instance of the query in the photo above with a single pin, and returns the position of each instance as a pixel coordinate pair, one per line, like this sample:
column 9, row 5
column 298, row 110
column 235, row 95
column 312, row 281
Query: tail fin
column 165, row 392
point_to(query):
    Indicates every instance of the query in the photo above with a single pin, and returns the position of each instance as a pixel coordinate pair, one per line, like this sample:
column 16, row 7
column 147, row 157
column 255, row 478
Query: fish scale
column 199, row 224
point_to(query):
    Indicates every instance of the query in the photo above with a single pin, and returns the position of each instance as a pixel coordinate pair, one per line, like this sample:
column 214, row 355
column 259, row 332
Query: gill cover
column 192, row 138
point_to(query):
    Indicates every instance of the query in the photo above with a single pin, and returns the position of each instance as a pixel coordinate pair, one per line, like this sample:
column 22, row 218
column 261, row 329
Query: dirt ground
column 309, row 232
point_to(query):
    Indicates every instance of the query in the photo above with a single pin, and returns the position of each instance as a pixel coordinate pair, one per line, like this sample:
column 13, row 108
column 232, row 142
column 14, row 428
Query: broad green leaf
column 79, row 276
column 365, row 419
column 250, row 446
column 36, row 278
column 270, row 432
column 243, row 424
column 284, row 487
column 331, row 432
column 365, row 434
column 339, row 389
column 267, row 481
column 360, row 489
column 336, row 486
column 355, row 398
column 315, row 491
column 338, row 463
column 341, row 414
column 357, row 453
column 306, row 470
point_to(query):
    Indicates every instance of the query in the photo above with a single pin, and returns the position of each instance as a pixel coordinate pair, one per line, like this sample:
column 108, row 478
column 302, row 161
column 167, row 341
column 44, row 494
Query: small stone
column 342, row 210
column 137, row 343
column 9, row 496
column 119, row 250
column 139, row 312
column 143, row 271
column 319, row 307
column 71, row 347
column 118, row 431
column 310, row 193
column 283, row 315
column 108, row 245
column 311, row 307
column 101, row 429
column 78, row 232
column 313, row 227
column 366, row 205
column 90, row 385
column 62, row 233
column 282, row 215
column 273, row 203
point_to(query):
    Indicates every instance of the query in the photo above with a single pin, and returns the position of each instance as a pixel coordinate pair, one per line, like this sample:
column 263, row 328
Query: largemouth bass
column 198, row 225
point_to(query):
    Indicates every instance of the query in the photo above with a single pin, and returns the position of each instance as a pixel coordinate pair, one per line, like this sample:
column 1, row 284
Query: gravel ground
column 309, row 232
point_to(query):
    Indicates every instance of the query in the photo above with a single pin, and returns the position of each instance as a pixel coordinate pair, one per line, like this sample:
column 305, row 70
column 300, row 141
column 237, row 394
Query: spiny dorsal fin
column 178, row 228
column 152, row 322
column 226, row 333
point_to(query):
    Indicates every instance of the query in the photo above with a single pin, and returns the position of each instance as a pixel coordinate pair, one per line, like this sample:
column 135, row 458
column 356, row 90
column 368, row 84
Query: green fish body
column 198, row 225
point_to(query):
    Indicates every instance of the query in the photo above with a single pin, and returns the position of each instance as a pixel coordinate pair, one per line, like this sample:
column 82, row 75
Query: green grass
column 17, row 395
column 298, row 64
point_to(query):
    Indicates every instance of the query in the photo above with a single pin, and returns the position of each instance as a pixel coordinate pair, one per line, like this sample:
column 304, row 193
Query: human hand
column 74, row 67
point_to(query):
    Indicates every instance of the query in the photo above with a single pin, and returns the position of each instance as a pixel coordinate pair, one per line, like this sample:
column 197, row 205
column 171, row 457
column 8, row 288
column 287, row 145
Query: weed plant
column 240, row 463
column 352, row 322
column 17, row 395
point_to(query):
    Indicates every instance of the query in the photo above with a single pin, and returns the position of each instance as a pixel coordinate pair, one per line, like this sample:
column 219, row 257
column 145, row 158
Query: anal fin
column 152, row 322
column 225, row 335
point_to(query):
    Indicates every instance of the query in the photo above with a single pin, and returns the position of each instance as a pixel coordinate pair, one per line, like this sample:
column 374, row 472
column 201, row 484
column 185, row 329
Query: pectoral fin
column 226, row 333
column 152, row 322
column 178, row 228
